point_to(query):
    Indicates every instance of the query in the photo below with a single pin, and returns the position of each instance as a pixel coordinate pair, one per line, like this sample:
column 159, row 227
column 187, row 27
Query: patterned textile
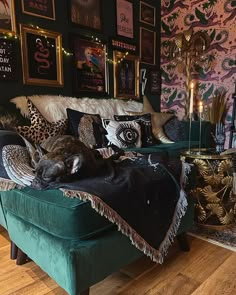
column 146, row 126
column 87, row 127
column 142, row 195
column 40, row 128
column 123, row 134
column 16, row 161
column 8, row 137
column 158, row 120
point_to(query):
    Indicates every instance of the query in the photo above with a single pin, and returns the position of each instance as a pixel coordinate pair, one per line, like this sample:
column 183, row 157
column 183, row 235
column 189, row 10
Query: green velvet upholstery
column 77, row 264
column 51, row 211
column 68, row 239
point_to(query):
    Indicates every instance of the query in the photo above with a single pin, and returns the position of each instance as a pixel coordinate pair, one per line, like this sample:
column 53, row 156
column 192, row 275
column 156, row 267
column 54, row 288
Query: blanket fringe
column 7, row 184
column 156, row 255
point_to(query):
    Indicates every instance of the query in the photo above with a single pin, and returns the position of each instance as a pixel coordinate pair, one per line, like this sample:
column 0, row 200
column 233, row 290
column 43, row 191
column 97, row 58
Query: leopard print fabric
column 40, row 129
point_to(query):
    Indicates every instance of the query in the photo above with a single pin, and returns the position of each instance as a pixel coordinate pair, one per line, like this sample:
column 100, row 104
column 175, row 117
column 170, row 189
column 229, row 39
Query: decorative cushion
column 40, row 129
column 175, row 129
column 123, row 134
column 146, row 126
column 52, row 212
column 8, row 138
column 87, row 127
column 158, row 120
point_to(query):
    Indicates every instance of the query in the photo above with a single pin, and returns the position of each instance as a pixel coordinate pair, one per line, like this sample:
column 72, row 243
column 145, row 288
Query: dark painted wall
column 62, row 24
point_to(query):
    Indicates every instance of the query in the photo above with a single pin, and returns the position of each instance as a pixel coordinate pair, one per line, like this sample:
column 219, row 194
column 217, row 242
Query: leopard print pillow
column 40, row 129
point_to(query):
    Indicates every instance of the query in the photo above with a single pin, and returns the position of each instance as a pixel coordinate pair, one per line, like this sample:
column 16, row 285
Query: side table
column 214, row 198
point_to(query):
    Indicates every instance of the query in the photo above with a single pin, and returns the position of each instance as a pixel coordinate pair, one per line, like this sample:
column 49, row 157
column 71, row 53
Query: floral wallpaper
column 218, row 19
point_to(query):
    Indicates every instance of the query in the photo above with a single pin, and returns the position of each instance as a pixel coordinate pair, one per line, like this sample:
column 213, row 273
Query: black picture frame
column 90, row 67
column 8, row 68
column 126, row 75
column 154, row 81
column 44, row 9
column 41, row 57
column 86, row 13
column 147, row 14
column 147, row 46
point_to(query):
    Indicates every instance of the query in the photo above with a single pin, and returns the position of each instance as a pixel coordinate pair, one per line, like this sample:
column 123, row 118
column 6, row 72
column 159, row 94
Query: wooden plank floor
column 206, row 269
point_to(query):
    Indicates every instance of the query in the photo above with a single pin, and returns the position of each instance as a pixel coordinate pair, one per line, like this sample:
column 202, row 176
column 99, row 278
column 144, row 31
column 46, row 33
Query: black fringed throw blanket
column 144, row 199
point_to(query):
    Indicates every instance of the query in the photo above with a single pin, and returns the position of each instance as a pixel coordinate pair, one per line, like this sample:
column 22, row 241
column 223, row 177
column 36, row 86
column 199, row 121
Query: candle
column 200, row 107
column 191, row 99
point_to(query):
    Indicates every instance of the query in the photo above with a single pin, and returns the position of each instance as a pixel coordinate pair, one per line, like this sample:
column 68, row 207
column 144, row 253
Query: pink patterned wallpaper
column 218, row 19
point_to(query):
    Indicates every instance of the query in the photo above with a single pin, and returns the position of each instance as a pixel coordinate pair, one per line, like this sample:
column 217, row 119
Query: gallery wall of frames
column 95, row 48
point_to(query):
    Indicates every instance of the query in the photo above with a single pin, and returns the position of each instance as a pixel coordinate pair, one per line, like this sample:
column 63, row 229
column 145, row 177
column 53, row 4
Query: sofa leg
column 13, row 251
column 183, row 242
column 85, row 292
column 22, row 258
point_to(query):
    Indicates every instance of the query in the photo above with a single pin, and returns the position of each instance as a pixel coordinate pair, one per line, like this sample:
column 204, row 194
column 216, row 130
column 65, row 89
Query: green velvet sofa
column 68, row 239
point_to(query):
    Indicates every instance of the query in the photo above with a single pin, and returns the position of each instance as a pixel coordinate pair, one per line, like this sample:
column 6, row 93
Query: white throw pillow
column 123, row 134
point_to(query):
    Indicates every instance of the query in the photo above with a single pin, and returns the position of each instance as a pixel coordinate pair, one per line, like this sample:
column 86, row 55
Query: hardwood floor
column 206, row 269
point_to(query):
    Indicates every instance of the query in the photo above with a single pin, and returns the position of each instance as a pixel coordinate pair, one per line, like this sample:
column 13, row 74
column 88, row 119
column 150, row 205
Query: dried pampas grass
column 217, row 111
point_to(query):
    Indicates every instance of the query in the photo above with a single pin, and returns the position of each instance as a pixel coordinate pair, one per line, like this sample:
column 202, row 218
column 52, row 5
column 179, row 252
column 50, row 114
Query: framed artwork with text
column 39, row 8
column 8, row 67
column 41, row 57
column 124, row 14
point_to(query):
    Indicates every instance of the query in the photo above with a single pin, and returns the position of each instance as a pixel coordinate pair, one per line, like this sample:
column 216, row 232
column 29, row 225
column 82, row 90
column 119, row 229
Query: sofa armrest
column 206, row 137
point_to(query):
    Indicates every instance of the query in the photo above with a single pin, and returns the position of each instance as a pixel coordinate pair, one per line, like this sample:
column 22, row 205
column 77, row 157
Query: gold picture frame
column 7, row 17
column 126, row 75
column 41, row 57
column 44, row 10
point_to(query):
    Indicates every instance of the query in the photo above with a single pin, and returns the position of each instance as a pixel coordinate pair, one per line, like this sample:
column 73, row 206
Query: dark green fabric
column 195, row 129
column 76, row 264
column 171, row 149
column 2, row 215
column 55, row 213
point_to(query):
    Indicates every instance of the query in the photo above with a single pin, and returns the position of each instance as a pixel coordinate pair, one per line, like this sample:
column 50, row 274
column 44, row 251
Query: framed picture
column 41, row 57
column 154, row 82
column 147, row 14
column 45, row 8
column 7, row 16
column 86, row 13
column 124, row 14
column 8, row 67
column 126, row 75
column 147, row 46
column 90, row 66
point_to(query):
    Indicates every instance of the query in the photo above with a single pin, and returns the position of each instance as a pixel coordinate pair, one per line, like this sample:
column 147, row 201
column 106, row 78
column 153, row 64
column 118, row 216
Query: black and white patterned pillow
column 87, row 127
column 123, row 134
column 146, row 126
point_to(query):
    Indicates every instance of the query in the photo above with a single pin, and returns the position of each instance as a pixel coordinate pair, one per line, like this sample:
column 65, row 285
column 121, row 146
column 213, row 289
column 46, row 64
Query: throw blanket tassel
column 7, row 184
column 103, row 209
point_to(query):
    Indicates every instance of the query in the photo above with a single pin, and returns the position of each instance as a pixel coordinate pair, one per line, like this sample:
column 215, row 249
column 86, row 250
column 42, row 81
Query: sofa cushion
column 123, row 134
column 54, row 213
column 8, row 138
column 175, row 129
column 40, row 129
column 87, row 127
column 146, row 126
